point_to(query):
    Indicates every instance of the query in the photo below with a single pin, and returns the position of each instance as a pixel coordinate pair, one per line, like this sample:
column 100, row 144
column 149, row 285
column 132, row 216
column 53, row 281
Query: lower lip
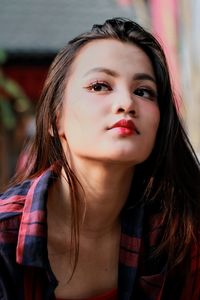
column 124, row 131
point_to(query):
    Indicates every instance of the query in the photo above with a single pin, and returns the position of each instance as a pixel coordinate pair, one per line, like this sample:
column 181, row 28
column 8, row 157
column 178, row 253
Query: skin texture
column 87, row 114
column 102, row 158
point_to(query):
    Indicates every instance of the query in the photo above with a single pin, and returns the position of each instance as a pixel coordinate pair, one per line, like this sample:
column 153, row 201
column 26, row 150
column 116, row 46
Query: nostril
column 120, row 110
column 132, row 112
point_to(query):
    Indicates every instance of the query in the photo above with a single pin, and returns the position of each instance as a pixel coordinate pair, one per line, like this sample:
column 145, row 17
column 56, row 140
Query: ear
column 59, row 125
column 51, row 131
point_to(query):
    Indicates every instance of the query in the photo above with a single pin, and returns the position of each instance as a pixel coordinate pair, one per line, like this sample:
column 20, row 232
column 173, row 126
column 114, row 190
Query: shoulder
column 11, row 207
column 13, row 199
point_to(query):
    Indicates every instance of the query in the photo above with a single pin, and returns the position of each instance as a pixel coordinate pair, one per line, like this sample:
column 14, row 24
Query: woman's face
column 110, row 111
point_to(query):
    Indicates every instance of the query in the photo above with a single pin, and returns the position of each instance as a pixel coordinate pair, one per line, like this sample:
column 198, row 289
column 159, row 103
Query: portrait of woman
column 107, row 206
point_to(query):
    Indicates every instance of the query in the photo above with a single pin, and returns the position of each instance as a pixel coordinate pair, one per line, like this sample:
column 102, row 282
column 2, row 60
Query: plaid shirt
column 25, row 272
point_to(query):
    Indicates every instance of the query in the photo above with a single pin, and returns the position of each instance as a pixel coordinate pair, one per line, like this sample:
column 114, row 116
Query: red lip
column 126, row 124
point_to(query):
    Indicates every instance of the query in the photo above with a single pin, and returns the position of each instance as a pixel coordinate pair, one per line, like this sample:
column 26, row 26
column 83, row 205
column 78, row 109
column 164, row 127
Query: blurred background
column 32, row 32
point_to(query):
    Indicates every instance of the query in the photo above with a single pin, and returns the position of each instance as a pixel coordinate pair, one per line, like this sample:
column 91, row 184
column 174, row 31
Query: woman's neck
column 106, row 188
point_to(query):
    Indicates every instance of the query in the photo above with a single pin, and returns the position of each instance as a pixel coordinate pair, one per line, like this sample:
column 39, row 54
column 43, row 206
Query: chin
column 129, row 158
column 122, row 159
column 117, row 156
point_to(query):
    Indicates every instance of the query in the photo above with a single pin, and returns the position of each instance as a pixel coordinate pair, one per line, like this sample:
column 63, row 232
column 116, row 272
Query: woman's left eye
column 146, row 93
column 99, row 87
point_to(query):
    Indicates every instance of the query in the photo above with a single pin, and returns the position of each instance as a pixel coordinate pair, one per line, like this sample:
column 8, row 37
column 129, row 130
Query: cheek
column 85, row 116
column 151, row 127
column 153, row 116
column 156, row 122
column 78, row 123
column 151, row 120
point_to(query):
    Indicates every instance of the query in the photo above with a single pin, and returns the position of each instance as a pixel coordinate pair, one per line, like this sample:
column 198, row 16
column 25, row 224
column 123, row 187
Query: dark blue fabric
column 23, row 250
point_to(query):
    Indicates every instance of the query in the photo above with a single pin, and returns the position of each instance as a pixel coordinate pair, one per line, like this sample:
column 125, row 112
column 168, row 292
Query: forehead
column 114, row 54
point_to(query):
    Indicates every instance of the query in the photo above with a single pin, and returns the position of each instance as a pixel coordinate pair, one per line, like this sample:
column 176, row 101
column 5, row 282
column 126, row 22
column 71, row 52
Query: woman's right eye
column 99, row 87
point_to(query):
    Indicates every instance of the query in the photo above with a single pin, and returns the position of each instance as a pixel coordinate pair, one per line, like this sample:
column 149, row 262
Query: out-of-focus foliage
column 13, row 100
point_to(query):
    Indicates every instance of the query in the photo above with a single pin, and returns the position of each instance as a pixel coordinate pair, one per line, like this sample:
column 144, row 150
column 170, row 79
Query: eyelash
column 100, row 84
column 152, row 94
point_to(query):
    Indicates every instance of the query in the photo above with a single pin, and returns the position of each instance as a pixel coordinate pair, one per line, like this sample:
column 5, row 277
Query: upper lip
column 126, row 124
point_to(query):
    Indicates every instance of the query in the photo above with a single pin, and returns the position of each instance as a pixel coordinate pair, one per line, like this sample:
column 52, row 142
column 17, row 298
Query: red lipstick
column 125, row 127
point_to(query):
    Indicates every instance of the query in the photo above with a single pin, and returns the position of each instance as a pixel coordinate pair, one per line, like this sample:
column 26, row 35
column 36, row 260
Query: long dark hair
column 169, row 177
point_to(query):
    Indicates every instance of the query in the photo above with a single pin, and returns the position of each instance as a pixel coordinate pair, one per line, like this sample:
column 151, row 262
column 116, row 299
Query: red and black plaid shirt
column 25, row 272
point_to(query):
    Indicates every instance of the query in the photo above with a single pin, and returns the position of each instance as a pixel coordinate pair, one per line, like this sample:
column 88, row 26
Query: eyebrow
column 102, row 70
column 144, row 76
column 137, row 76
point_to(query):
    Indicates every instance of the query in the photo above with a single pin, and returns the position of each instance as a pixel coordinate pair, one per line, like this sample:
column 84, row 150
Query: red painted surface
column 30, row 78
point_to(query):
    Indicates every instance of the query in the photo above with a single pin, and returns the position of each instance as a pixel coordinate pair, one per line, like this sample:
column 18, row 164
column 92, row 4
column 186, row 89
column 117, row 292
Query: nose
column 124, row 103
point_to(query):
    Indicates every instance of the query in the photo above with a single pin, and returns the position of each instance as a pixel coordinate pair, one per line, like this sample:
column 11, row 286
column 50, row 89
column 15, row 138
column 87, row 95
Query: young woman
column 107, row 206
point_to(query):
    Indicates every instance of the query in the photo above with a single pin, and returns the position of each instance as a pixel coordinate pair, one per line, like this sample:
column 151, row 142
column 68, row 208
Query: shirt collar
column 32, row 238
